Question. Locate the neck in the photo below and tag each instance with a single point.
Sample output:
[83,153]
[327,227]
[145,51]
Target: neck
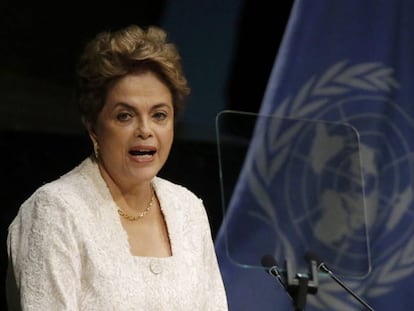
[133,196]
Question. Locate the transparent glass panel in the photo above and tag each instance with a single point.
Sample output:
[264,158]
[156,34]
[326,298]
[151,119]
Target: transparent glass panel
[290,186]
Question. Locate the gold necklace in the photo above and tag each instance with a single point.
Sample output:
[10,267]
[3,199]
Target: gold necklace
[140,214]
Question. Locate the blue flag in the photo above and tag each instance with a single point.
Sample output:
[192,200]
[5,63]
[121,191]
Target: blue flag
[350,63]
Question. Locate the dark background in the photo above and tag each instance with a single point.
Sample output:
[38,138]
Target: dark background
[40,133]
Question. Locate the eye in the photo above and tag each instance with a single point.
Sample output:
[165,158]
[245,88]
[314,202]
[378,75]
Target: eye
[123,116]
[160,115]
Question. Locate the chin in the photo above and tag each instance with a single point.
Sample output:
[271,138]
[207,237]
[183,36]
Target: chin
[144,174]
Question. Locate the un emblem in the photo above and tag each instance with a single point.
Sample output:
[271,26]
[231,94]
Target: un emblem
[380,149]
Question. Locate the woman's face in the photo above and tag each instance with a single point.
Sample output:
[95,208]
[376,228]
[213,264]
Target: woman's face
[135,129]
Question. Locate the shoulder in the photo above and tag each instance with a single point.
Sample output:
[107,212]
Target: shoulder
[82,184]
[75,180]
[54,199]
[178,198]
[169,189]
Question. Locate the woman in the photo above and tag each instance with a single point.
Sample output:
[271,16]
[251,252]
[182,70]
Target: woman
[110,234]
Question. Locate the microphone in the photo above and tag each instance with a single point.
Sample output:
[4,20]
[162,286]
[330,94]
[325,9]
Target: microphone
[309,256]
[272,267]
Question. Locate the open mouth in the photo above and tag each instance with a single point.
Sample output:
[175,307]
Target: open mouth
[141,152]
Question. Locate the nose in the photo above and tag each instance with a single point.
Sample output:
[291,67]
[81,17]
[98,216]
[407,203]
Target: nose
[143,129]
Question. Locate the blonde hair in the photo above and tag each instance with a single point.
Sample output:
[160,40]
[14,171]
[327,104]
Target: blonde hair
[113,55]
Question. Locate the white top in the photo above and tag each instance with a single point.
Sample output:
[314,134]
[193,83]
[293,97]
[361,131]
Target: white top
[69,251]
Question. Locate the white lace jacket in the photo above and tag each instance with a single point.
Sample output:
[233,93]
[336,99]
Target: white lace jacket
[68,251]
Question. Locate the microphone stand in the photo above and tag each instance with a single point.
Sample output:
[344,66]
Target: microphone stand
[299,285]
[324,268]
[310,256]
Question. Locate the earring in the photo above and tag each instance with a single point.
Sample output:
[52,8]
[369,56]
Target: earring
[96,149]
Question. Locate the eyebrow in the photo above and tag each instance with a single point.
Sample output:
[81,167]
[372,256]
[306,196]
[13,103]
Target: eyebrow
[130,107]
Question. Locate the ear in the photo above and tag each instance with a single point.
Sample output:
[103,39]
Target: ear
[91,130]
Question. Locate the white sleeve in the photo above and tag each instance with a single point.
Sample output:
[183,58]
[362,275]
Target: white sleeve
[44,259]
